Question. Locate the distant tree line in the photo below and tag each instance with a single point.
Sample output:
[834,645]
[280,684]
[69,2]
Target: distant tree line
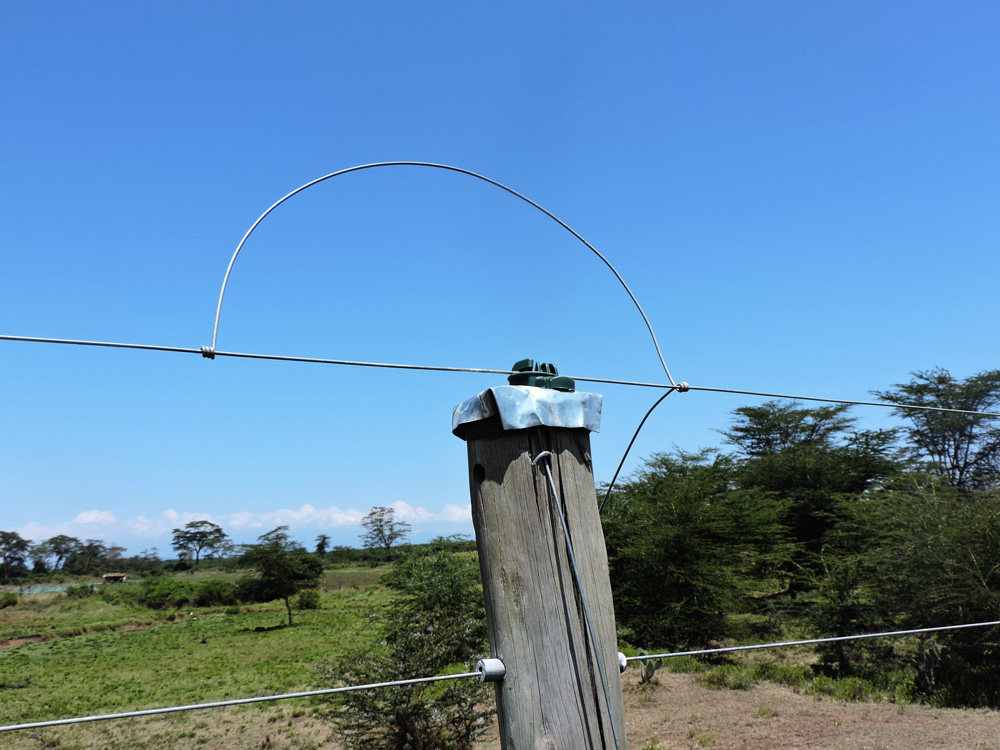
[21,557]
[194,542]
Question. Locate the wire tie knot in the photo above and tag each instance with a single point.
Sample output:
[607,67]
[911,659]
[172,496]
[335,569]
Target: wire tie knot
[683,387]
[208,352]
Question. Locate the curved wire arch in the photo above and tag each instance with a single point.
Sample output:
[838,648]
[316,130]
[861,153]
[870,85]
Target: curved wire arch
[209,351]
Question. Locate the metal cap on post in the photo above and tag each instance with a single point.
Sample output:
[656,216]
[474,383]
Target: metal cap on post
[549,611]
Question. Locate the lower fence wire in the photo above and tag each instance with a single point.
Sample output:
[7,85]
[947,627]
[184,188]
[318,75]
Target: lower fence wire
[237,702]
[811,641]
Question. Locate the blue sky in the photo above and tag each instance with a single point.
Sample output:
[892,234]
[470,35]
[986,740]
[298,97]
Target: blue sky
[804,198]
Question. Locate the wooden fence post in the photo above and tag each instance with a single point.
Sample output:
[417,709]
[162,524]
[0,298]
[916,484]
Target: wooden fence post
[554,695]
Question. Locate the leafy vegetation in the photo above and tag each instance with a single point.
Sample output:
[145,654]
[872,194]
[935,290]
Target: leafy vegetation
[816,528]
[282,568]
[437,625]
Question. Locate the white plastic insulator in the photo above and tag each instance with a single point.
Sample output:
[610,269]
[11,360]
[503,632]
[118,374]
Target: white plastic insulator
[491,670]
[622,662]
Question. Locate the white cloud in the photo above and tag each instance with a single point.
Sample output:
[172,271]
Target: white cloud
[94,516]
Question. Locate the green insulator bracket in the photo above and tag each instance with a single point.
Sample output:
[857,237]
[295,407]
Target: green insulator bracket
[540,375]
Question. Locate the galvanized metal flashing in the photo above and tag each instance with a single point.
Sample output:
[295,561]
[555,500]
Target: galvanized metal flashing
[519,407]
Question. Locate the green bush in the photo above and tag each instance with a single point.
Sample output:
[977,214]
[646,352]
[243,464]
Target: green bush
[684,665]
[79,591]
[780,674]
[214,591]
[846,689]
[121,594]
[437,624]
[308,599]
[232,610]
[165,593]
[729,677]
[8,599]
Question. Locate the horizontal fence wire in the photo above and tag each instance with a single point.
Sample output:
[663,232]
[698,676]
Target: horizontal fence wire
[211,354]
[236,702]
[810,641]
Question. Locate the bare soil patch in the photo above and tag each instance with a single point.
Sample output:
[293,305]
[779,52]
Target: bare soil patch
[15,642]
[681,713]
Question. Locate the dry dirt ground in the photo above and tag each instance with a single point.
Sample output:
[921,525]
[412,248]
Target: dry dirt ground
[679,713]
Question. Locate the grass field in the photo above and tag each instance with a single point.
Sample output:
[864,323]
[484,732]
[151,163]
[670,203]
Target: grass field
[65,657]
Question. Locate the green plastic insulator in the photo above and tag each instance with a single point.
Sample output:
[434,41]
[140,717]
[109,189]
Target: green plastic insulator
[540,375]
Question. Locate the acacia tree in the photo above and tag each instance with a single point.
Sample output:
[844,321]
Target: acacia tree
[382,529]
[281,568]
[682,544]
[962,449]
[322,545]
[812,458]
[88,553]
[62,547]
[40,555]
[923,557]
[197,537]
[13,552]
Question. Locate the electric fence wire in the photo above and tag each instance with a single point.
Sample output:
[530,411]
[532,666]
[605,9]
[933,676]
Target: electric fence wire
[579,588]
[631,442]
[680,387]
[236,702]
[431,165]
[811,641]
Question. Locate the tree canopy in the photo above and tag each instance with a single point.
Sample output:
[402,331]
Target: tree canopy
[197,537]
[963,449]
[382,530]
[281,568]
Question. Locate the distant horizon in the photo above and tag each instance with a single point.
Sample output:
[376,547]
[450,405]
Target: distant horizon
[243,528]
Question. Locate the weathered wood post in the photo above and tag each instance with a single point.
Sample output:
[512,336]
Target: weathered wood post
[562,688]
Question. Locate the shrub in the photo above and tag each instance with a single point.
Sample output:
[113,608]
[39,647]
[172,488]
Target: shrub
[214,591]
[308,599]
[165,593]
[121,594]
[435,625]
[79,591]
[232,610]
[729,676]
[8,599]
[781,674]
[846,689]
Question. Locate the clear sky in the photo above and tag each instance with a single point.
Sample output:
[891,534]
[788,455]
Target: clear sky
[805,198]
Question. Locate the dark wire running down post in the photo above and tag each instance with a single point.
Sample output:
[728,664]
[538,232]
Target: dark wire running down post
[546,458]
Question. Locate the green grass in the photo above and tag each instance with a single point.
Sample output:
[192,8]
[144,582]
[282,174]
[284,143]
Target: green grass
[101,658]
[342,578]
